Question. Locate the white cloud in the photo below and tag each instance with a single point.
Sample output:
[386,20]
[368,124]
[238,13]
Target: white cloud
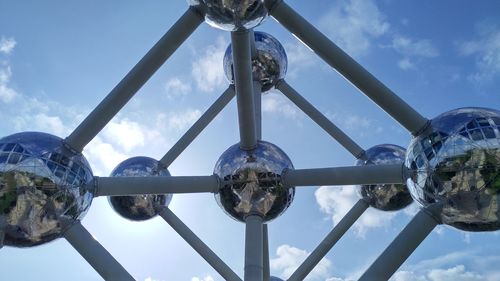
[178,121]
[352,24]
[207,70]
[206,278]
[411,47]
[125,133]
[456,273]
[175,87]
[151,279]
[277,103]
[7,45]
[299,57]
[336,201]
[406,64]
[103,156]
[7,94]
[289,259]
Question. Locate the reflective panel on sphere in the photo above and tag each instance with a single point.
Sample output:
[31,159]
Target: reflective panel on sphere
[385,197]
[140,207]
[231,15]
[269,65]
[44,188]
[456,162]
[251,181]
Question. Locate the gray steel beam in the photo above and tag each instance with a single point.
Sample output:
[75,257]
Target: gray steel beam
[254,270]
[330,240]
[243,82]
[134,80]
[198,127]
[201,248]
[403,245]
[320,119]
[2,237]
[348,67]
[266,262]
[257,88]
[119,186]
[371,174]
[95,254]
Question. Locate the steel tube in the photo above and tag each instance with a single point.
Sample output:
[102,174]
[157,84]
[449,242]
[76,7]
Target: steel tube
[254,270]
[2,236]
[371,174]
[402,247]
[198,127]
[201,248]
[330,240]
[119,186]
[134,80]
[349,68]
[266,262]
[243,81]
[257,88]
[95,254]
[320,119]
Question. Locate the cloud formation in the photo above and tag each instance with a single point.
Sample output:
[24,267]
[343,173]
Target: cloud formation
[7,45]
[207,70]
[289,259]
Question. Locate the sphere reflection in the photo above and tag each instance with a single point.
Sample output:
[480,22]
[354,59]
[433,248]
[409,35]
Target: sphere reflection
[456,162]
[251,181]
[385,197]
[269,65]
[44,188]
[231,15]
[140,207]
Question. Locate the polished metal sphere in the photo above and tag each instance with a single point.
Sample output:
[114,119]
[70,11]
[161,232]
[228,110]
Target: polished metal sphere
[251,181]
[140,207]
[385,197]
[44,188]
[456,162]
[231,15]
[269,65]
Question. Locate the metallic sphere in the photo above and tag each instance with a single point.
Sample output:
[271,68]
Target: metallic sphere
[251,182]
[270,64]
[385,197]
[44,188]
[140,207]
[456,162]
[231,15]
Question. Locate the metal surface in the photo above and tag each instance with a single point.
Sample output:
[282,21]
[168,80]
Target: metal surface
[349,68]
[254,270]
[134,80]
[456,162]
[41,184]
[380,174]
[198,127]
[385,197]
[251,182]
[95,254]
[144,206]
[320,119]
[329,241]
[258,109]
[265,259]
[198,245]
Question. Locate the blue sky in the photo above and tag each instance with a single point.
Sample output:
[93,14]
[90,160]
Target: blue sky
[58,59]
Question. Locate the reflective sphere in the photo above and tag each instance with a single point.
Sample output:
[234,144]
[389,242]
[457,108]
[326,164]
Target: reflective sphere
[140,207]
[269,66]
[456,162]
[251,182]
[385,197]
[232,15]
[44,188]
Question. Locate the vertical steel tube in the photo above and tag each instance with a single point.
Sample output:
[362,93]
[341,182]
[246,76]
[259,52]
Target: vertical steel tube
[254,270]
[320,119]
[134,80]
[198,245]
[330,240]
[243,81]
[349,68]
[2,237]
[266,262]
[198,127]
[402,247]
[95,254]
[257,88]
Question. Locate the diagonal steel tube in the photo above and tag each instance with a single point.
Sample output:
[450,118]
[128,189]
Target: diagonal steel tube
[198,127]
[201,248]
[403,245]
[243,82]
[254,237]
[119,186]
[95,254]
[320,119]
[266,262]
[330,240]
[370,174]
[134,80]
[348,67]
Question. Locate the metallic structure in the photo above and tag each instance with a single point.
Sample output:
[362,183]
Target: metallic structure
[452,165]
